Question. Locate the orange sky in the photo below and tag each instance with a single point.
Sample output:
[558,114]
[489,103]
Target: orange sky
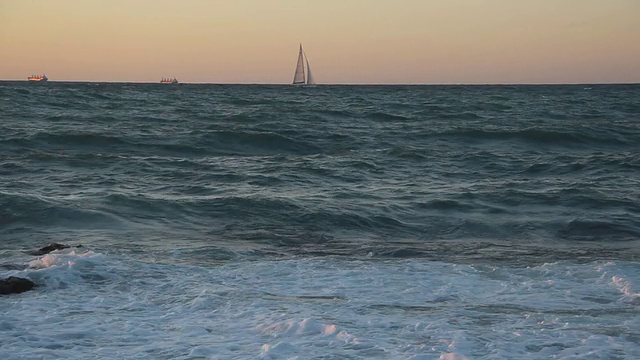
[347,41]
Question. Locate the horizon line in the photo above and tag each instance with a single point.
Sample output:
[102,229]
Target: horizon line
[331,84]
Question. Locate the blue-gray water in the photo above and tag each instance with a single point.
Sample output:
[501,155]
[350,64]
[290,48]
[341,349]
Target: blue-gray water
[438,183]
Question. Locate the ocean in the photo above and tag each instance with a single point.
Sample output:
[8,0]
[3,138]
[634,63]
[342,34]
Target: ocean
[328,222]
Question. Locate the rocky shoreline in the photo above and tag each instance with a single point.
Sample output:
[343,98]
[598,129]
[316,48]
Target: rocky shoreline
[17,285]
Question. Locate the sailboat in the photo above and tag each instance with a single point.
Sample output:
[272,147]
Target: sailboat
[303,74]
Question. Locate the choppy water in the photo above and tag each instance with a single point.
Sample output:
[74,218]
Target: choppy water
[388,222]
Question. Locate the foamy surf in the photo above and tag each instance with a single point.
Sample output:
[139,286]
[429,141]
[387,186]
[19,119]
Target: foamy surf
[57,258]
[115,306]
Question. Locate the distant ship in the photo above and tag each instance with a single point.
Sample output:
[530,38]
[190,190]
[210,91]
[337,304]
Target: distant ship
[169,81]
[300,77]
[38,78]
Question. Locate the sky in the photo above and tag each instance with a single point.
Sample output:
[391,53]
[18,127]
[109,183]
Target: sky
[346,41]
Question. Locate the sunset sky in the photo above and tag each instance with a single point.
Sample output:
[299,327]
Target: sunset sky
[347,41]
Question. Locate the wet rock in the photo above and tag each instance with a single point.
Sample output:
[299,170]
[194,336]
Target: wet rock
[15,285]
[51,247]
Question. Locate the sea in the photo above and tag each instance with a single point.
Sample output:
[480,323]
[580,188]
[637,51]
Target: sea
[330,222]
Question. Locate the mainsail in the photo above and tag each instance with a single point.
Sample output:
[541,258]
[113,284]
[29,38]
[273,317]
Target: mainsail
[299,78]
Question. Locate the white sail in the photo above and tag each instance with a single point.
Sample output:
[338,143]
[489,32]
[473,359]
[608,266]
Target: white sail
[310,79]
[299,77]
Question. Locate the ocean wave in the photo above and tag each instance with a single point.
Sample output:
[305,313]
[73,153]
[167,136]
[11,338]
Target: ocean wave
[79,139]
[263,143]
[467,115]
[409,153]
[580,136]
[32,210]
[44,140]
[385,116]
[621,229]
[331,170]
[217,142]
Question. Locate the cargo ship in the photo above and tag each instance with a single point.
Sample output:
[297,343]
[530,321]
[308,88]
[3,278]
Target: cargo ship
[38,78]
[169,81]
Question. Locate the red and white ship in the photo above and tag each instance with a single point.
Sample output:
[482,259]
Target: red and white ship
[38,78]
[169,81]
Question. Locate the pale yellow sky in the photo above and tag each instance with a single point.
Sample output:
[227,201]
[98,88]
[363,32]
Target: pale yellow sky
[347,41]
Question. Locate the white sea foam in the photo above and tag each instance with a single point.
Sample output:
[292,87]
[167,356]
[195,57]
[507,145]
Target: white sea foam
[58,258]
[625,287]
[91,305]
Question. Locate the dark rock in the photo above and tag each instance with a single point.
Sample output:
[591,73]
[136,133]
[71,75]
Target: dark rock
[51,247]
[15,285]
